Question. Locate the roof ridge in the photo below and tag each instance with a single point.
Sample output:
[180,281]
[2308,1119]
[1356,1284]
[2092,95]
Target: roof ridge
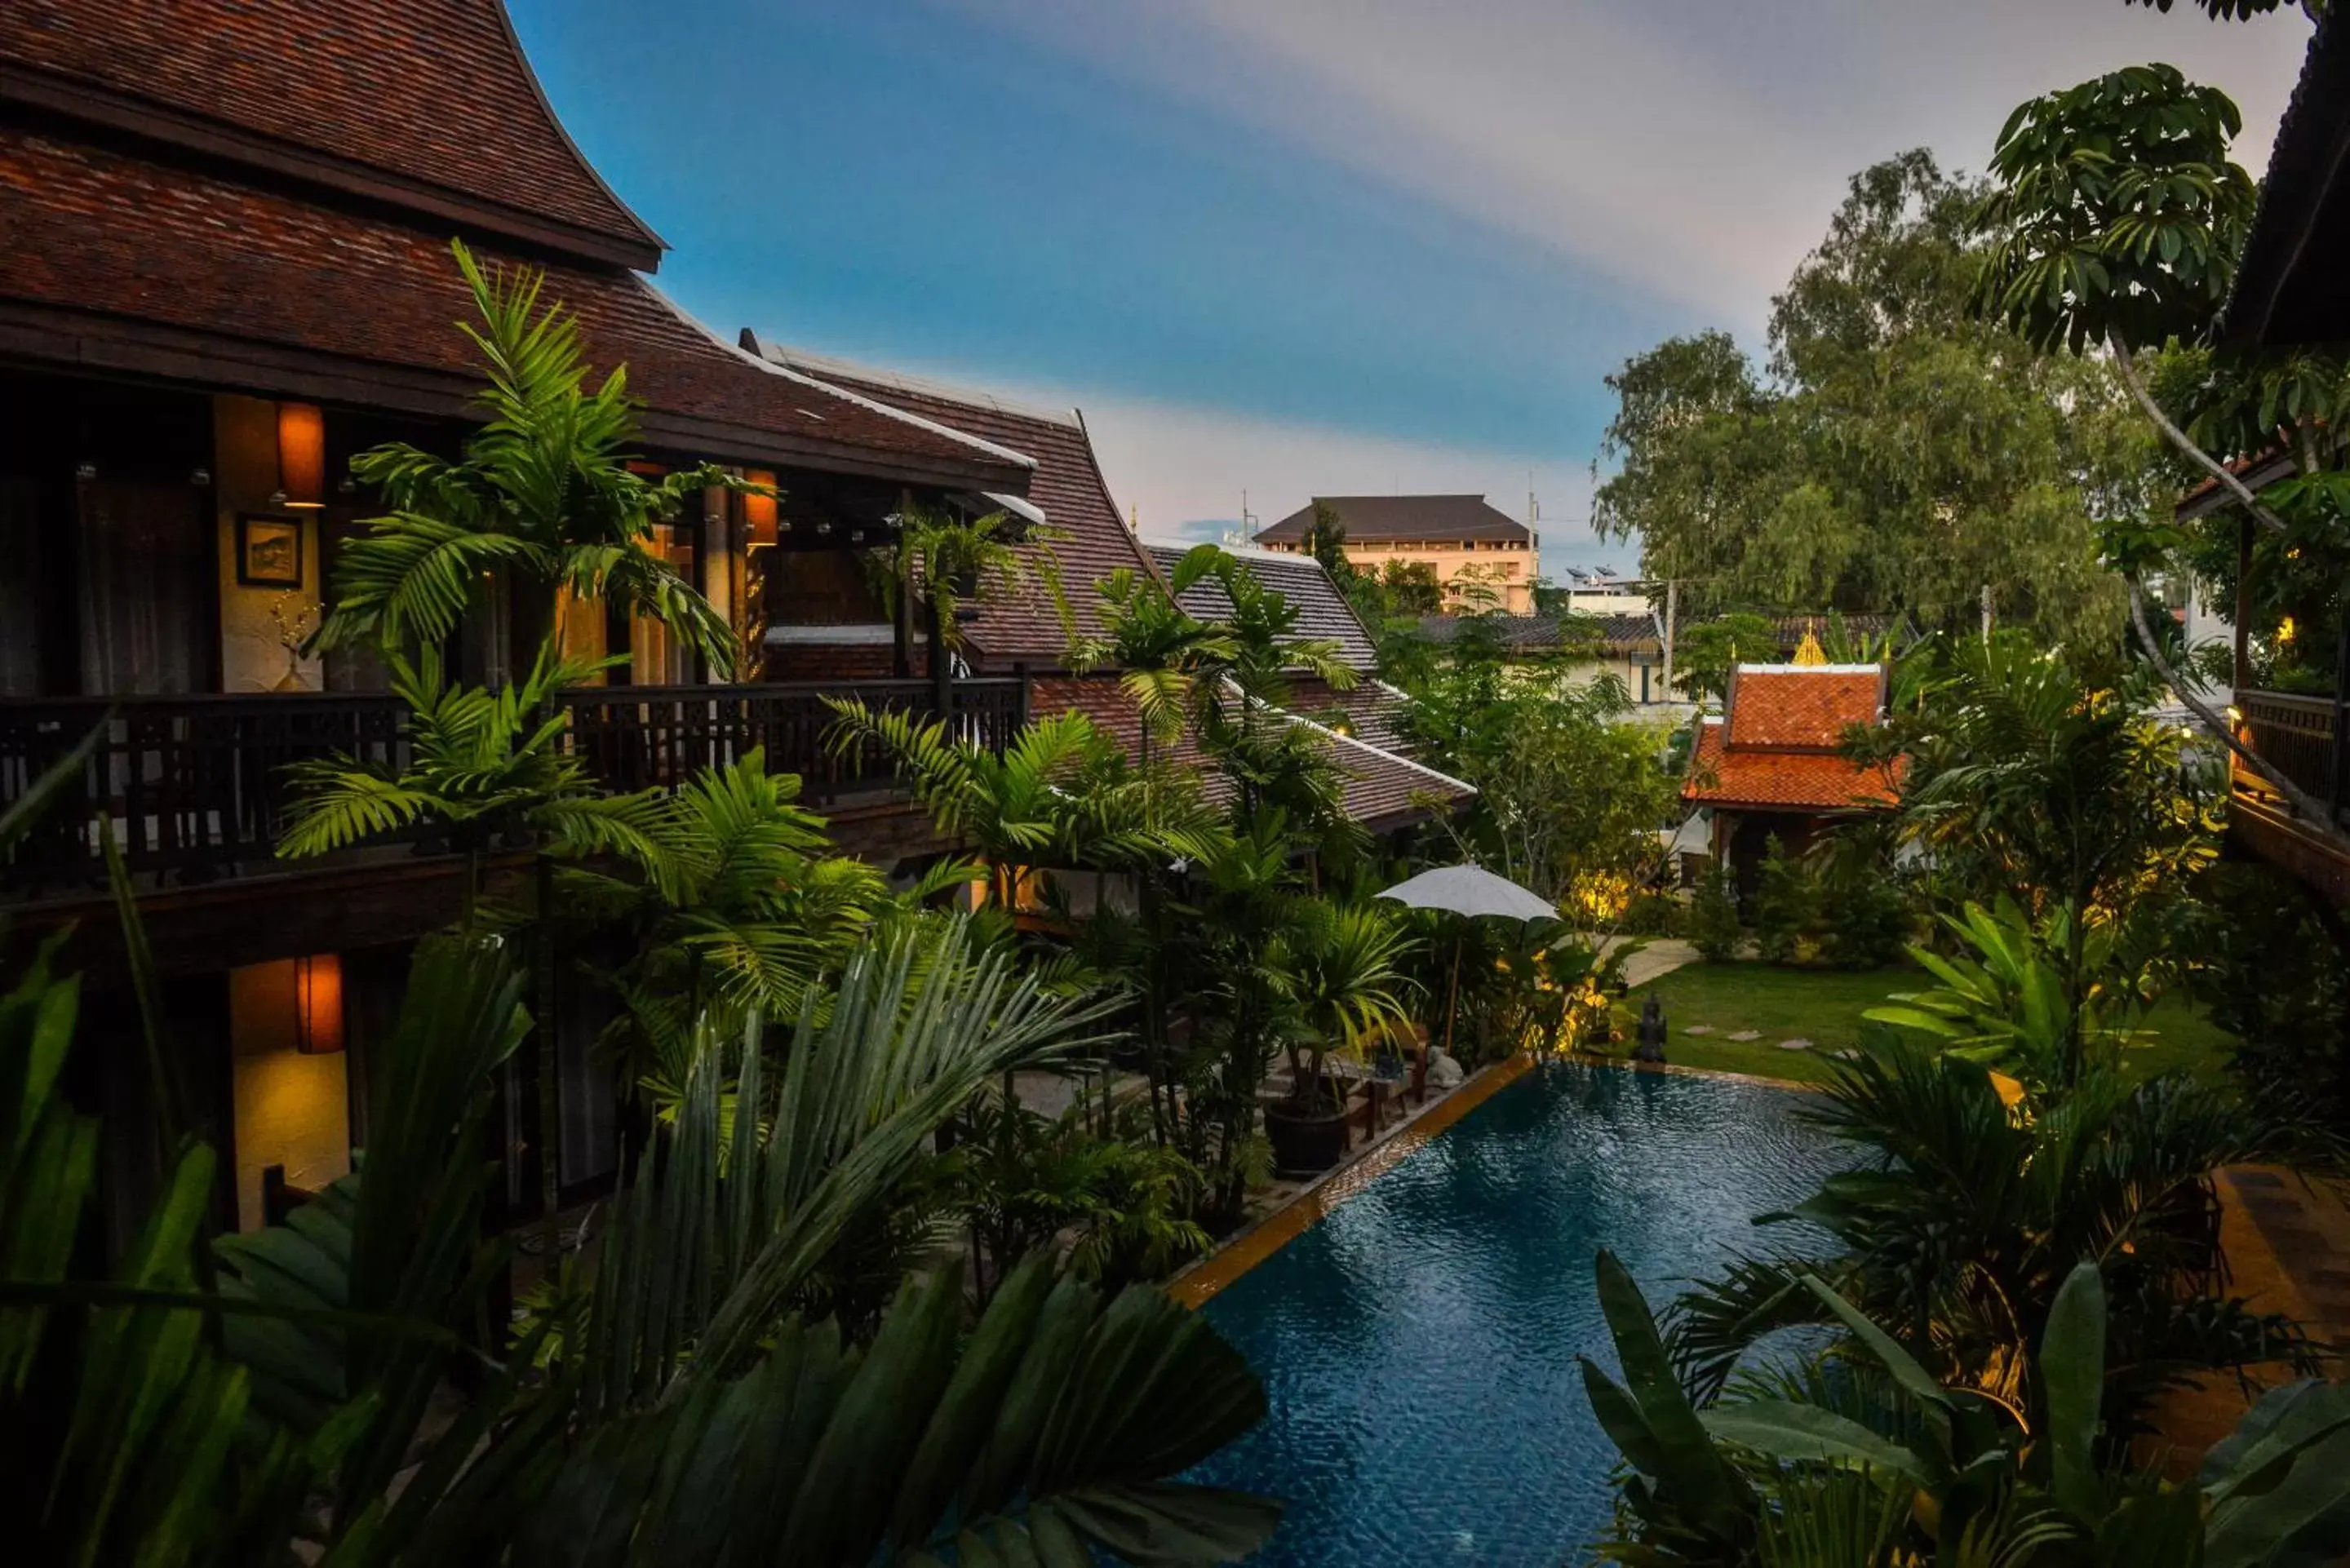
[774,367]
[826,367]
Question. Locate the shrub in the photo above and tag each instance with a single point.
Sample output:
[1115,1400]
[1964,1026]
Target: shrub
[1654,914]
[1867,923]
[1782,905]
[1713,917]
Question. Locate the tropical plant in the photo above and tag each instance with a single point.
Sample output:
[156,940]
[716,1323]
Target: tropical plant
[1870,1459]
[481,768]
[1029,1182]
[1341,963]
[1785,905]
[678,1410]
[2036,777]
[544,493]
[1713,926]
[740,908]
[2118,220]
[1962,1218]
[944,561]
[2041,1001]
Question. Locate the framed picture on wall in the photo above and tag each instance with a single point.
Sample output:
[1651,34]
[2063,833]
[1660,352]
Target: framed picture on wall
[269,551]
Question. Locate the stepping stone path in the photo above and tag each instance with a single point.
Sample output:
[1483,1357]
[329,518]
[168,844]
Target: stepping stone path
[1743,1035]
[1699,1029]
[1846,1054]
[1795,1044]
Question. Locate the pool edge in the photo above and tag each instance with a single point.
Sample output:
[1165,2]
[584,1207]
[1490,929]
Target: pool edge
[1200,1281]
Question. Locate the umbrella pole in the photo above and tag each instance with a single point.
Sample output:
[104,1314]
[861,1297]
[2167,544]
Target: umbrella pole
[1452,1009]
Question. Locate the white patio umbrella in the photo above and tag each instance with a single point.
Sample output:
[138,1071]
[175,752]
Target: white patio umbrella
[1471,891]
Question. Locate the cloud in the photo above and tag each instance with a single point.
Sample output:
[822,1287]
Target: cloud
[1692,149]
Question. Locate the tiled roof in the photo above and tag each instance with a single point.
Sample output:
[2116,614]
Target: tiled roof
[1067,485]
[1380,785]
[435,93]
[1802,781]
[2288,287]
[1323,611]
[274,282]
[1429,517]
[1373,711]
[1795,707]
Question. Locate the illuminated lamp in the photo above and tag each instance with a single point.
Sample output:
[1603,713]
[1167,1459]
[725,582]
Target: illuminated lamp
[301,456]
[319,1005]
[759,511]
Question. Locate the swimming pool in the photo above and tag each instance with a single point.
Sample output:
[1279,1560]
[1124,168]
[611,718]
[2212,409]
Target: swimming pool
[1417,1345]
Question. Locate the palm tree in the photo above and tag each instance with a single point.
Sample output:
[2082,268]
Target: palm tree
[1158,647]
[1962,1219]
[683,1414]
[1868,1459]
[943,560]
[544,491]
[1344,975]
[483,767]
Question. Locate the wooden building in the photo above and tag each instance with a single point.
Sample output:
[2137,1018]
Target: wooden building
[228,269]
[1769,767]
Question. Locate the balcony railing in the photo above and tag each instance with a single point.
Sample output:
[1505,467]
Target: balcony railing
[195,788]
[2297,736]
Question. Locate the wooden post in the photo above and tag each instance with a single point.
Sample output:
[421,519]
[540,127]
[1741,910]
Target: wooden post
[1672,609]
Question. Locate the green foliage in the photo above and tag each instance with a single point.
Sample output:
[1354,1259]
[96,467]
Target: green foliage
[1713,926]
[480,766]
[1706,652]
[1784,906]
[1868,1459]
[1863,901]
[1342,970]
[1412,587]
[1123,1202]
[1959,1221]
[2041,1001]
[1325,541]
[2034,776]
[2117,214]
[544,491]
[946,561]
[1570,793]
[1899,456]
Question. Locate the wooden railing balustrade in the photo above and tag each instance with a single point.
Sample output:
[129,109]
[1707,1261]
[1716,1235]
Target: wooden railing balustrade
[195,788]
[2301,737]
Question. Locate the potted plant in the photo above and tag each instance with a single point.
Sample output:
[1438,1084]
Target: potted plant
[1341,963]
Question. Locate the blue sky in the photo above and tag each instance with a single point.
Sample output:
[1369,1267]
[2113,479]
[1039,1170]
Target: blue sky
[1296,245]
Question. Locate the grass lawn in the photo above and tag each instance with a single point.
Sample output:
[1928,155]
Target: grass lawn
[1825,1006]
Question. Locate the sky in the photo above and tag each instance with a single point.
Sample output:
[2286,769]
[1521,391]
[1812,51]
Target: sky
[1287,247]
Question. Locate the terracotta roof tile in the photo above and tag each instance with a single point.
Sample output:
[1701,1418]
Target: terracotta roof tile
[435,91]
[1794,707]
[1809,781]
[100,232]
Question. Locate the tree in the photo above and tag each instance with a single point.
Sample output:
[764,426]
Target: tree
[1325,541]
[2118,219]
[544,491]
[1896,455]
[943,562]
[1704,654]
[1412,587]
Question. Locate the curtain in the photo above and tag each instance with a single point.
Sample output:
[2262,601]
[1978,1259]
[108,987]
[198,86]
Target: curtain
[147,589]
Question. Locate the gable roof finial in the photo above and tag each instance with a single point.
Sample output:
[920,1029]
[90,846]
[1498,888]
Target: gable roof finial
[1809,650]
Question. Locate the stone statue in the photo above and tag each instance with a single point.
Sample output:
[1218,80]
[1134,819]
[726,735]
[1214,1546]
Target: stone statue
[1651,1046]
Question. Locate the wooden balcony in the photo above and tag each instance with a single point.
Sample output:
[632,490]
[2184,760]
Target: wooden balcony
[196,791]
[2305,738]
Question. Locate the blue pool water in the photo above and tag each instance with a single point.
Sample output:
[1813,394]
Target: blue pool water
[1418,1346]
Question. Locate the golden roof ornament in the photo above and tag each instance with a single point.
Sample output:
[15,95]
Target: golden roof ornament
[1809,650]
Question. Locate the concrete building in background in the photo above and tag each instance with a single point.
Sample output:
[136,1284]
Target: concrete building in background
[1471,543]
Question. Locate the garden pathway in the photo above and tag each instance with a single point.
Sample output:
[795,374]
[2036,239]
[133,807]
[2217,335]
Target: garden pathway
[1661,956]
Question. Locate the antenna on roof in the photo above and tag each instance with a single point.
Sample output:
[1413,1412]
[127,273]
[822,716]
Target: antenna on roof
[1248,520]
